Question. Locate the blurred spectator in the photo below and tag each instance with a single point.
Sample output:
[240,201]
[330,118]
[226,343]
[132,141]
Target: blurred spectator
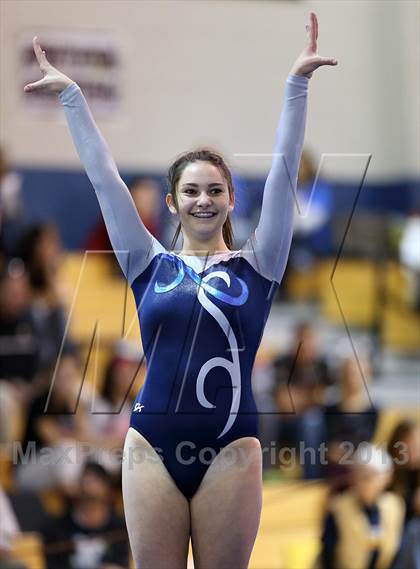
[114,405]
[312,226]
[9,530]
[409,554]
[41,251]
[300,378]
[242,214]
[117,390]
[62,431]
[32,322]
[410,256]
[146,194]
[362,529]
[404,447]
[52,427]
[19,345]
[11,207]
[352,419]
[19,349]
[90,535]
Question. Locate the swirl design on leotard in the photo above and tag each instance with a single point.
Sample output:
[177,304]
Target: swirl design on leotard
[233,367]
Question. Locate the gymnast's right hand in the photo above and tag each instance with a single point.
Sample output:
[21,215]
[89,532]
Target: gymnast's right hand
[53,80]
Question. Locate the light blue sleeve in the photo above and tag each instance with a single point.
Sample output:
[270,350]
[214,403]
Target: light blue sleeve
[134,246]
[268,247]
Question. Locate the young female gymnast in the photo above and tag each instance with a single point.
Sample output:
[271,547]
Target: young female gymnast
[202,312]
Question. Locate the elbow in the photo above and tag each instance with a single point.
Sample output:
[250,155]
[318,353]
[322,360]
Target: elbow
[100,177]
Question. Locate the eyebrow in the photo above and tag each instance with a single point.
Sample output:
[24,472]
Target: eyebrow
[213,184]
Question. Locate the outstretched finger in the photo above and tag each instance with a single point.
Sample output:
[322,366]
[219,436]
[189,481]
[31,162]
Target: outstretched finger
[39,54]
[34,86]
[314,24]
[327,61]
[313,28]
[311,41]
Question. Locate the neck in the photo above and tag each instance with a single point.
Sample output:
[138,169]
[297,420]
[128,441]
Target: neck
[367,501]
[91,515]
[193,246]
[354,401]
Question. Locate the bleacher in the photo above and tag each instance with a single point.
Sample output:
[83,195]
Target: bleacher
[360,294]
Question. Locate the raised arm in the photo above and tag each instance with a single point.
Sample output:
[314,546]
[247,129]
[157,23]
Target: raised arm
[133,244]
[269,245]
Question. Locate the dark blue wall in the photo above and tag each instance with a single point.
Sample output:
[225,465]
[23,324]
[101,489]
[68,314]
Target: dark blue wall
[67,197]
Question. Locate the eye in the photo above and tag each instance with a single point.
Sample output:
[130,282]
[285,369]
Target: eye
[217,190]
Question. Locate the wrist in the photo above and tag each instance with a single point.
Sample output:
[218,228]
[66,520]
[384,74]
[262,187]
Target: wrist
[66,83]
[295,71]
[299,80]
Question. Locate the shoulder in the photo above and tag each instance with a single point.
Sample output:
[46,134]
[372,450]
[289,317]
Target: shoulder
[342,500]
[262,259]
[138,262]
[393,500]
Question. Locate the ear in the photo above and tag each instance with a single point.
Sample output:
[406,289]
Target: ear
[231,203]
[170,203]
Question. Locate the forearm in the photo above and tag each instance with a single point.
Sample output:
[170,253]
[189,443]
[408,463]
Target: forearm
[281,182]
[126,231]
[88,140]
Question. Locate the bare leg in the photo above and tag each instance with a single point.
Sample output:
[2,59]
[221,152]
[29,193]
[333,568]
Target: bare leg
[156,512]
[225,511]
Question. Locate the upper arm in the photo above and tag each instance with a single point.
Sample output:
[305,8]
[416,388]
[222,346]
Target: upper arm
[133,245]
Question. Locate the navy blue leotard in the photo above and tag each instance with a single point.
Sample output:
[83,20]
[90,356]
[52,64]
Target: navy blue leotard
[201,318]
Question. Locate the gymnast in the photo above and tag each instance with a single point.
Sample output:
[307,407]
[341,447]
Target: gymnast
[202,312]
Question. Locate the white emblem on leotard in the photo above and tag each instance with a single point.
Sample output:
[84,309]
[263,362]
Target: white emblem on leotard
[233,367]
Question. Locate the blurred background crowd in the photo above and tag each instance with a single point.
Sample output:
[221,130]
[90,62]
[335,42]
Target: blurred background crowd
[66,399]
[336,378]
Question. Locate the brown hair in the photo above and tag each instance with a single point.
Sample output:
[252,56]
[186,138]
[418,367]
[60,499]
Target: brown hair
[401,480]
[4,166]
[174,175]
[402,430]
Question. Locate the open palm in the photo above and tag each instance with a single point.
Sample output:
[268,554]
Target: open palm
[309,60]
[53,80]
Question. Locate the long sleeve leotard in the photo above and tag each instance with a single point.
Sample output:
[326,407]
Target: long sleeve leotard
[201,318]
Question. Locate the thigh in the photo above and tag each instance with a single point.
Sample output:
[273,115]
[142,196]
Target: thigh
[225,510]
[156,512]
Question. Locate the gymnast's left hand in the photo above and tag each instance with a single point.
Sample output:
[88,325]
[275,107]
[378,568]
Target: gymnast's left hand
[309,60]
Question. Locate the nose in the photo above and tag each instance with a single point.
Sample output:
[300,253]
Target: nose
[204,199]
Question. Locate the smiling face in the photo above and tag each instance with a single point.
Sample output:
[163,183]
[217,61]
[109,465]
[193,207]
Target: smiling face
[203,202]
[369,483]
